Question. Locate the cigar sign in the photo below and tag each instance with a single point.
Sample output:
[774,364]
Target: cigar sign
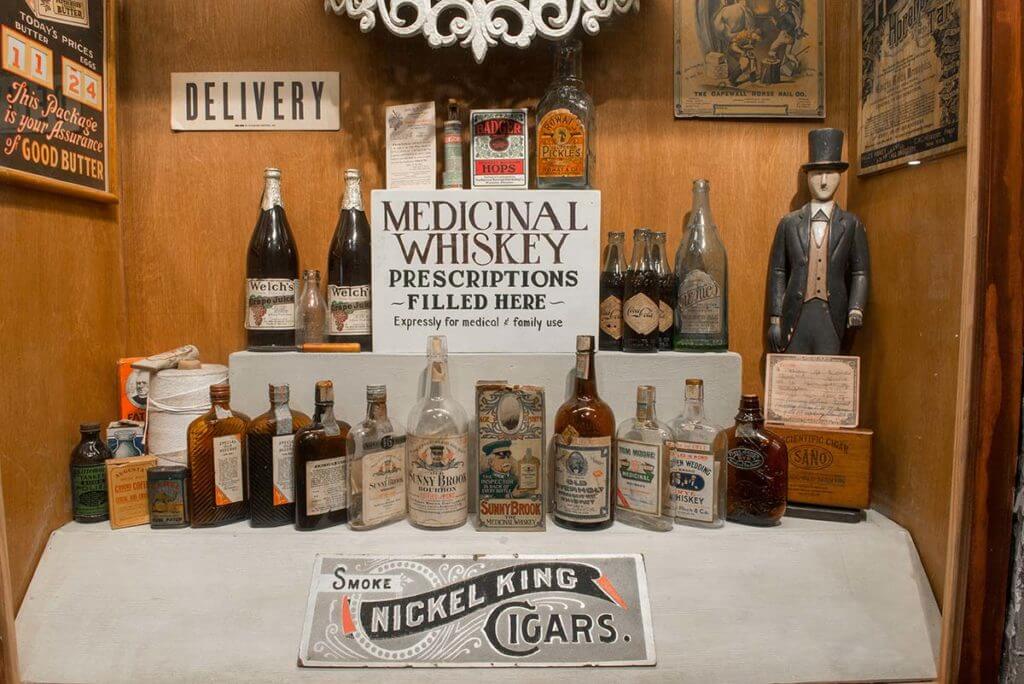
[478,611]
[495,271]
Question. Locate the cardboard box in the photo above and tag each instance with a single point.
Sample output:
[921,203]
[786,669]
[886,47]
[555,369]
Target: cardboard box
[133,389]
[828,467]
[127,490]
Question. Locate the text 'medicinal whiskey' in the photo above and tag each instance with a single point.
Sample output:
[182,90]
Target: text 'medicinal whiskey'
[584,464]
[321,466]
[218,487]
[613,275]
[376,473]
[271,443]
[758,468]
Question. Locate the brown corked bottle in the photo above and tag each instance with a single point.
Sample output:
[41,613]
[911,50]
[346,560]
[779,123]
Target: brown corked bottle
[321,466]
[758,469]
[218,487]
[270,440]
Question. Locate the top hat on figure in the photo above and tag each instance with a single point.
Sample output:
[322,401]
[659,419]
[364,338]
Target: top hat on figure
[826,150]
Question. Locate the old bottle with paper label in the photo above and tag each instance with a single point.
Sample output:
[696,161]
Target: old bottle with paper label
[613,277]
[218,486]
[702,303]
[321,466]
[89,502]
[758,469]
[270,441]
[565,124]
[641,312]
[696,461]
[641,462]
[376,474]
[668,288]
[272,274]
[348,271]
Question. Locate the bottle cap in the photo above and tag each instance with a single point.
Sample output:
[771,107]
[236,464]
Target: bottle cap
[617,235]
[641,232]
[352,174]
[645,394]
[701,184]
[279,394]
[89,427]
[694,389]
[453,110]
[750,401]
[584,343]
[659,235]
[324,392]
[376,392]
[271,172]
[189,364]
[220,392]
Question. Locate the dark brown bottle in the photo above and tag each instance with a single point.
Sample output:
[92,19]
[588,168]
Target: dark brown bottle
[89,501]
[271,442]
[348,271]
[640,309]
[758,469]
[321,466]
[613,275]
[272,273]
[218,487]
[584,465]
[667,292]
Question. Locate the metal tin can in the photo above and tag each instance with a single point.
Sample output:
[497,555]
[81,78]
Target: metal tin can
[168,497]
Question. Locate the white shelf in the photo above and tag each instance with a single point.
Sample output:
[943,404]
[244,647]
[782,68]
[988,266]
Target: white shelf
[807,601]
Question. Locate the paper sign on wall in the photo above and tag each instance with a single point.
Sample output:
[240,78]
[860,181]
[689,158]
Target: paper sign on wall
[411,138]
[270,100]
[812,390]
[496,271]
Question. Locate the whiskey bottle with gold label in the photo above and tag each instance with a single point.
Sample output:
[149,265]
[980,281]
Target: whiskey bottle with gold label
[376,475]
[270,441]
[641,312]
[613,276]
[758,469]
[565,124]
[321,466]
[218,488]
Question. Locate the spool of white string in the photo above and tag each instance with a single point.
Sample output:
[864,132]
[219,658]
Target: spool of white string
[176,398]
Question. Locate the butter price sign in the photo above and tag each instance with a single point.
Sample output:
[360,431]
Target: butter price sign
[478,611]
[495,271]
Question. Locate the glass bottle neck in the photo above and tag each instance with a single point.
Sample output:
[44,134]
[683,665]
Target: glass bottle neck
[646,413]
[641,255]
[438,384]
[377,410]
[700,215]
[353,195]
[614,262]
[586,381]
[569,66]
[323,414]
[272,194]
[693,409]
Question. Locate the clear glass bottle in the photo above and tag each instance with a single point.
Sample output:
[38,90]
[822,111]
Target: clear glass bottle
[321,466]
[376,473]
[702,303]
[667,292]
[566,122]
[218,486]
[640,310]
[437,449]
[311,311]
[89,501]
[270,442]
[348,271]
[452,178]
[641,461]
[697,467]
[758,469]
[613,276]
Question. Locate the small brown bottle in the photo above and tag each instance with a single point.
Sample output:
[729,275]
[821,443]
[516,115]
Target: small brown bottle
[321,466]
[89,476]
[218,487]
[270,440]
[758,469]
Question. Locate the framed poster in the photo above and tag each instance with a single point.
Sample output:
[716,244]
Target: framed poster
[750,58]
[57,110]
[913,102]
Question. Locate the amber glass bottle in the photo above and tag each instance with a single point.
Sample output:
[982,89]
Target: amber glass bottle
[758,469]
[218,487]
[270,440]
[321,466]
[584,466]
[89,476]
[641,310]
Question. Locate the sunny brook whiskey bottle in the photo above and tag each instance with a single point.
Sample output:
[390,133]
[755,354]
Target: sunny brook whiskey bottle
[348,271]
[217,459]
[640,311]
[321,466]
[376,473]
[529,473]
[641,461]
[758,469]
[272,274]
[565,124]
[437,449]
[667,286]
[270,441]
[613,276]
[697,468]
[584,465]
[702,305]
[89,476]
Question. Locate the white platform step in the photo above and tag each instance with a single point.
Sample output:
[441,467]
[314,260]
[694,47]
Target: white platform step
[804,602]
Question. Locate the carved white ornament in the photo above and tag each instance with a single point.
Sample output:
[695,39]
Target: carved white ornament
[480,24]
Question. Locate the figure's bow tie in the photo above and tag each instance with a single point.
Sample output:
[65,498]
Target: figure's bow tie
[820,216]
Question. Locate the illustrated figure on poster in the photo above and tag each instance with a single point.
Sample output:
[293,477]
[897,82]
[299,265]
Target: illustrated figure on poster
[733,17]
[790,25]
[819,267]
[498,481]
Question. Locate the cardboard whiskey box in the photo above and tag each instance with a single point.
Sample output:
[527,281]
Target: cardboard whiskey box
[127,490]
[510,453]
[828,467]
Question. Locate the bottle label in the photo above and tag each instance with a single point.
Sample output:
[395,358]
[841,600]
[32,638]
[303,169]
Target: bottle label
[641,314]
[270,304]
[227,470]
[700,304]
[745,459]
[561,145]
[283,460]
[692,481]
[438,480]
[640,476]
[582,477]
[89,490]
[582,365]
[529,477]
[349,309]
[326,485]
[384,482]
[665,318]
[611,317]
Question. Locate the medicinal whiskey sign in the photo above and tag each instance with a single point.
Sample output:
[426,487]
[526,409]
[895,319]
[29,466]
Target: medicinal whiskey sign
[478,611]
[495,271]
[53,115]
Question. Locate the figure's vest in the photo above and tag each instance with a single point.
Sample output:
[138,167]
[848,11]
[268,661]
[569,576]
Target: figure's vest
[817,265]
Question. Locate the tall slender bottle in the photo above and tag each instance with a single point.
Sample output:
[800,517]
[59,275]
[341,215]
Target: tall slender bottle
[89,501]
[376,475]
[272,274]
[452,179]
[437,449]
[758,469]
[584,464]
[321,466]
[640,310]
[667,292]
[641,460]
[270,440]
[218,486]
[613,276]
[702,306]
[566,122]
[697,469]
[348,271]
